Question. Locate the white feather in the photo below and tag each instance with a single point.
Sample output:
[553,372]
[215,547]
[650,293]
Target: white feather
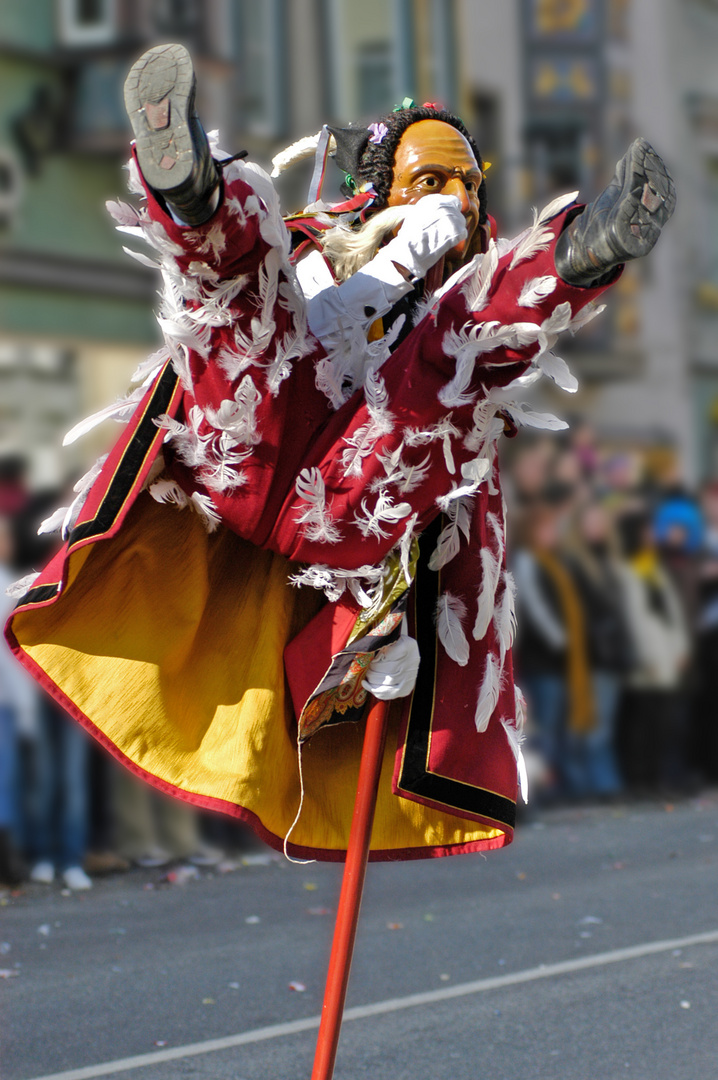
[535,240]
[140,257]
[557,370]
[119,410]
[449,541]
[385,512]
[54,522]
[524,416]
[536,290]
[169,491]
[319,525]
[488,694]
[505,617]
[476,289]
[122,212]
[23,585]
[586,315]
[450,611]
[556,207]
[520,703]
[206,511]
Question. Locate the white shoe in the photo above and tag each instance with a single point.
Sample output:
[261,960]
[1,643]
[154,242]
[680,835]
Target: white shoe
[76,879]
[154,857]
[43,872]
[206,855]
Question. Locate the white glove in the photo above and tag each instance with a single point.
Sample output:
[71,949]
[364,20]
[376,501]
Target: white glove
[432,226]
[392,673]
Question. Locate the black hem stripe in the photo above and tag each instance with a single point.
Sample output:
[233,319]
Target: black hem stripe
[415,778]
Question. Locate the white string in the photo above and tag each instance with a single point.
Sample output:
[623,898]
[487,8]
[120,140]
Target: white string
[299,862]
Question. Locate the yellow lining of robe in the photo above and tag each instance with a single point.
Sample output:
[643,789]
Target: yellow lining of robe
[171,641]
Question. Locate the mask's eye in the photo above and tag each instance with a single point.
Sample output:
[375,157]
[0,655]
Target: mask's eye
[471,187]
[431,182]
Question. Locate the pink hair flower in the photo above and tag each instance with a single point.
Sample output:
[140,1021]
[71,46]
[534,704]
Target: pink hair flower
[379,132]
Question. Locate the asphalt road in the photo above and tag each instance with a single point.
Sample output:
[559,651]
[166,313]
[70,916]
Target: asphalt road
[571,955]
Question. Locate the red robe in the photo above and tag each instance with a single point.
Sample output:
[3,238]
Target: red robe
[165,639]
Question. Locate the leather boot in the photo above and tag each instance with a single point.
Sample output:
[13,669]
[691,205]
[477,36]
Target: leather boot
[172,147]
[623,223]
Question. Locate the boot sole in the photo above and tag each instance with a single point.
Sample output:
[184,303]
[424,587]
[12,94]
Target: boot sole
[647,200]
[159,98]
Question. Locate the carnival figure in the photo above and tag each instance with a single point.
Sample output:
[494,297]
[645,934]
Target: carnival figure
[305,508]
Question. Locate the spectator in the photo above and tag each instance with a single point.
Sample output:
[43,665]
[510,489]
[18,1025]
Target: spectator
[17,715]
[593,557]
[652,738]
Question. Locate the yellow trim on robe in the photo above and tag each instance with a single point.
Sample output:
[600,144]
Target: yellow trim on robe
[171,641]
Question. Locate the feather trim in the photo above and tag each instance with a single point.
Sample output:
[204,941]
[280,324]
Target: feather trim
[319,524]
[205,510]
[449,541]
[505,617]
[476,289]
[556,207]
[586,315]
[385,512]
[365,582]
[443,431]
[535,240]
[169,491]
[514,736]
[488,694]
[536,290]
[120,410]
[557,370]
[18,588]
[405,547]
[520,704]
[379,424]
[450,611]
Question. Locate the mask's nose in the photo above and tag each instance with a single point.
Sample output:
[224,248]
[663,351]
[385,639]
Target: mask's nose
[456,186]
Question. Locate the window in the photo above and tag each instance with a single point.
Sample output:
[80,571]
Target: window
[375,78]
[263,66]
[87,22]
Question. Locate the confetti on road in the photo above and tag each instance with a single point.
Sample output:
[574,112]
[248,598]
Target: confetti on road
[685,1004]
[444,978]
[5,948]
[319,911]
[44,930]
[395,926]
[257,860]
[310,886]
[298,987]
[160,1042]
[252,919]
[8,973]
[233,986]
[182,875]
[590,920]
[208,1001]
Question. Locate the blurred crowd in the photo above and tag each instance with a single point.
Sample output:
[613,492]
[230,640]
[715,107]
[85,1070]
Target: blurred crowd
[68,812]
[616,569]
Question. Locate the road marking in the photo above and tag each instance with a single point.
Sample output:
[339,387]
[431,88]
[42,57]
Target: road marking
[379,1008]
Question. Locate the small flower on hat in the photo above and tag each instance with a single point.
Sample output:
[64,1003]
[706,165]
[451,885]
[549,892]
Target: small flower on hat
[379,133]
[433,105]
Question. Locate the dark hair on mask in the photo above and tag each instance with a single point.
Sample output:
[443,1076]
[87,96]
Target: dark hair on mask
[377,162]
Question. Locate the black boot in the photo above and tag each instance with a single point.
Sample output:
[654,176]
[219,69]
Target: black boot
[623,223]
[172,147]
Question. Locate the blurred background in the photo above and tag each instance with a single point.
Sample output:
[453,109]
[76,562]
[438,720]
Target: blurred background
[614,525]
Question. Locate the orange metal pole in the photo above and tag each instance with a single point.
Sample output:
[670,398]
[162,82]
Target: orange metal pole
[351,892]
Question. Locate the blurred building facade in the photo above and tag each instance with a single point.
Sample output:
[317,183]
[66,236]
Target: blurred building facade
[75,313]
[554,89]
[557,90]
